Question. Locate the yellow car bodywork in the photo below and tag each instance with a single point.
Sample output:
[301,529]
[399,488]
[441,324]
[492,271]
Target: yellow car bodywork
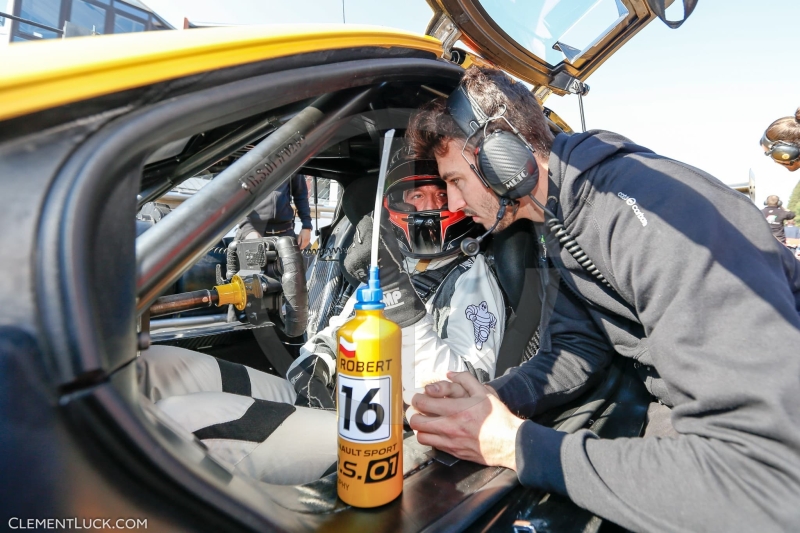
[47,74]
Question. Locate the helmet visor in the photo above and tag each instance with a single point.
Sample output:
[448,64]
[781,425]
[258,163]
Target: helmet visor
[419,214]
[427,193]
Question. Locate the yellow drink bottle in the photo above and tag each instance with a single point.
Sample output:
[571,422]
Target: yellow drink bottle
[369,403]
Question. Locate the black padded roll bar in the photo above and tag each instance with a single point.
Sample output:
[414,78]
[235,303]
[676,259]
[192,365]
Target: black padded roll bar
[168,249]
[227,144]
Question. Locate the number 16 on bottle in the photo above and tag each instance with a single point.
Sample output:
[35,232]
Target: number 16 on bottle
[365,413]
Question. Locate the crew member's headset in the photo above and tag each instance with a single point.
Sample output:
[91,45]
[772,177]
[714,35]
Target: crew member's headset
[779,204]
[781,151]
[505,163]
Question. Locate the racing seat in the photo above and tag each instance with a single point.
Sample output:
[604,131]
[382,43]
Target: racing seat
[516,265]
[329,286]
[325,280]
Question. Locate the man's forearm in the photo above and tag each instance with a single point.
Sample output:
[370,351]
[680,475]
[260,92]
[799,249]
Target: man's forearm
[572,355]
[687,483]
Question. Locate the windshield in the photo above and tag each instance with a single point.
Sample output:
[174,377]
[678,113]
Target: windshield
[555,30]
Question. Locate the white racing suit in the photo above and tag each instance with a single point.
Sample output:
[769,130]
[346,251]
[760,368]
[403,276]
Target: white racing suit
[248,418]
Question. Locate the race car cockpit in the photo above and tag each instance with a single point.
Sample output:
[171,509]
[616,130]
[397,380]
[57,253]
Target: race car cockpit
[77,146]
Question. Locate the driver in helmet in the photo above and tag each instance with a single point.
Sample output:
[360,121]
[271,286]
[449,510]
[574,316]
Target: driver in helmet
[450,309]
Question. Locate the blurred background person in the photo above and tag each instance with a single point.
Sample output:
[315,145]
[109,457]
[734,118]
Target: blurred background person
[792,236]
[776,215]
[781,141]
[275,215]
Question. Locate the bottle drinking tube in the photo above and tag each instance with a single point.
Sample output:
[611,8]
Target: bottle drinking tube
[369,390]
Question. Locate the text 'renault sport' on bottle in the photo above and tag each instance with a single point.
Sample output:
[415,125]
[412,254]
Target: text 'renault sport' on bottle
[369,403]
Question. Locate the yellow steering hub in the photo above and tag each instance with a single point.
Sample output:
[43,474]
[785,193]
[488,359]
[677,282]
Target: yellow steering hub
[232,293]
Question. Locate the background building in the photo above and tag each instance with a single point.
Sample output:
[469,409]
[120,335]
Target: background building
[77,17]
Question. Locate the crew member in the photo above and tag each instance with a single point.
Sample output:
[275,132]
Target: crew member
[781,141]
[664,267]
[776,215]
[274,216]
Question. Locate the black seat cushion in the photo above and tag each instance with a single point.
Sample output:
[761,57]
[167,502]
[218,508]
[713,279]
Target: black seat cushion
[329,283]
[516,254]
[358,198]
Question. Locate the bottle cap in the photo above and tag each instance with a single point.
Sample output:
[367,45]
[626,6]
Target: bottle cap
[370,298]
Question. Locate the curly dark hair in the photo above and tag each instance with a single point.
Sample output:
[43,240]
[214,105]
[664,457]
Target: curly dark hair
[785,129]
[432,127]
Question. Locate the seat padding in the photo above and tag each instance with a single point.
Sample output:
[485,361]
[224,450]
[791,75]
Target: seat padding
[516,263]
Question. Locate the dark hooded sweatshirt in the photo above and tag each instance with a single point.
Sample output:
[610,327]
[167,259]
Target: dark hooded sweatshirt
[708,303]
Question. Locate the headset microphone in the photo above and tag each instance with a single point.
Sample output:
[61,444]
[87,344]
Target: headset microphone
[470,246]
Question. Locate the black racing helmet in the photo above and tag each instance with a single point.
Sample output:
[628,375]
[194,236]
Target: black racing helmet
[416,200]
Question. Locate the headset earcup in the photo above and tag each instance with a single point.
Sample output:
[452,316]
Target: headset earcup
[507,165]
[779,204]
[784,152]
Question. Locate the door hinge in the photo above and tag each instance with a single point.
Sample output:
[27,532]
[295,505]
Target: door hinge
[443,28]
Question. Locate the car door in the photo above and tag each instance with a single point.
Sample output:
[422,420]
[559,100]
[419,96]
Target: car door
[80,119]
[546,43]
